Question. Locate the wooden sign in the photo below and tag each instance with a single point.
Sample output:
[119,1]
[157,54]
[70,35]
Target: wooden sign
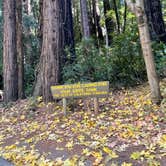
[95,89]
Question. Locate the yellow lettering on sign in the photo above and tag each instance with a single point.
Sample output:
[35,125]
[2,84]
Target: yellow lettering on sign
[81,90]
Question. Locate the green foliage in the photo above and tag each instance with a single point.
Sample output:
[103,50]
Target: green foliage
[121,64]
[88,65]
[159,50]
[31,45]
[126,58]
[30,48]
[29,77]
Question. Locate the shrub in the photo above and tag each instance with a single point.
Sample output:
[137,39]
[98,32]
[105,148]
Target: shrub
[121,64]
[159,50]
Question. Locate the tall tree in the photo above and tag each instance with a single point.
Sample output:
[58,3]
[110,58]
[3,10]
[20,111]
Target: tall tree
[155,19]
[27,6]
[52,46]
[96,17]
[67,39]
[124,17]
[20,57]
[10,68]
[40,30]
[86,33]
[28,47]
[68,33]
[117,15]
[138,9]
[76,20]
[108,22]
[84,18]
[37,91]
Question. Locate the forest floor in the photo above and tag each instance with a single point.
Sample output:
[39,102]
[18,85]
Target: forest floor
[128,130]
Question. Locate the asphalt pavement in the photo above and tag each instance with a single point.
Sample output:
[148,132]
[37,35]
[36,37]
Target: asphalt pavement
[4,162]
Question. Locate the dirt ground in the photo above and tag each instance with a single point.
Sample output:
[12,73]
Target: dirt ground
[128,130]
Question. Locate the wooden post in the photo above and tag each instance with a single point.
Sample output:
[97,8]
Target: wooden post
[87,104]
[96,105]
[64,106]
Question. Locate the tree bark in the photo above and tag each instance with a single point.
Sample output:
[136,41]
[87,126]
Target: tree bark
[155,20]
[124,17]
[84,18]
[37,91]
[108,22]
[20,56]
[96,17]
[117,15]
[68,31]
[138,9]
[27,6]
[76,20]
[40,31]
[67,40]
[52,47]
[10,73]
[86,35]
[28,33]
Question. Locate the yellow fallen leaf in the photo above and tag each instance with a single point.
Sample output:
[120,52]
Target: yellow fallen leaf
[126,164]
[81,138]
[11,147]
[22,117]
[30,140]
[135,155]
[39,99]
[69,145]
[96,154]
[69,162]
[86,152]
[111,153]
[162,141]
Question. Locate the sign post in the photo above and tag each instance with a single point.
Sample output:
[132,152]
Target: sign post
[96,105]
[64,106]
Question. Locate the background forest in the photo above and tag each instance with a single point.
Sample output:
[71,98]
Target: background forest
[111,52]
[44,43]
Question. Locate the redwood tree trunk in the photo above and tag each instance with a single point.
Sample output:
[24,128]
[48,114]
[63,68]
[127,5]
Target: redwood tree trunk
[67,40]
[10,74]
[28,33]
[86,34]
[66,9]
[124,17]
[20,57]
[155,20]
[108,22]
[96,17]
[27,6]
[52,46]
[40,31]
[117,15]
[84,18]
[37,91]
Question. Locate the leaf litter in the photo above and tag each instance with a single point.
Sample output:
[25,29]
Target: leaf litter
[128,131]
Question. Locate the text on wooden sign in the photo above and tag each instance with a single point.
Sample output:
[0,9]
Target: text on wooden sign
[95,89]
